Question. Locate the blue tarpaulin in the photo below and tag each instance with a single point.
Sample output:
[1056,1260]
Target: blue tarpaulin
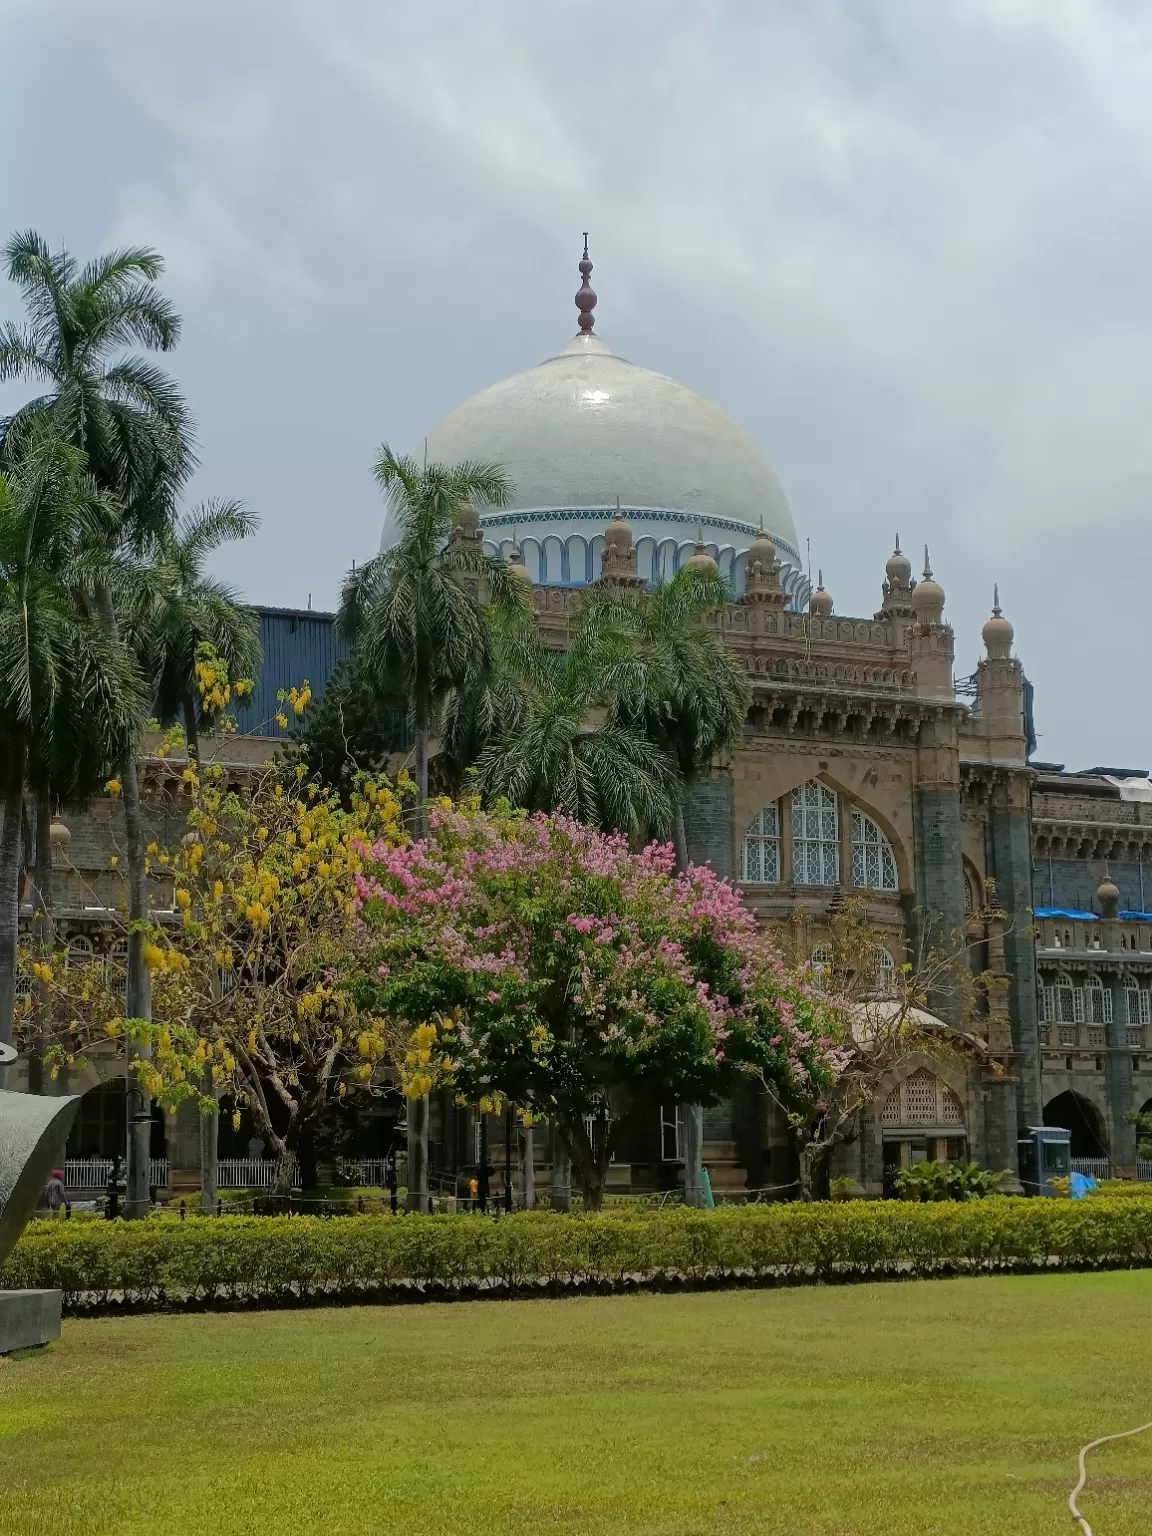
[1080,1185]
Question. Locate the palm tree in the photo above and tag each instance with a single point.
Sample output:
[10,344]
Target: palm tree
[69,691]
[133,426]
[182,608]
[414,612]
[555,738]
[680,688]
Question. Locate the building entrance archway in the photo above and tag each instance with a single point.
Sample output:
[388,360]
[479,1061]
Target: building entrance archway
[1080,1116]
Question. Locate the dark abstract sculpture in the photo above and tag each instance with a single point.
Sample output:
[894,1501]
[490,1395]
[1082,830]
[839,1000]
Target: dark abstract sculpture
[33,1132]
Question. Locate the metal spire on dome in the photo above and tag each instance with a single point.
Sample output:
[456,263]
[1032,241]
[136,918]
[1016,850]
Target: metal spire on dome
[586,297]
[996,600]
[927,565]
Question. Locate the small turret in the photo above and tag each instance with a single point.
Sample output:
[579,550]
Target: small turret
[820,603]
[997,632]
[928,597]
[618,562]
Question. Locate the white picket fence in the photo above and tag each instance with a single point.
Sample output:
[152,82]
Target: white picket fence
[250,1173]
[1092,1167]
[94,1172]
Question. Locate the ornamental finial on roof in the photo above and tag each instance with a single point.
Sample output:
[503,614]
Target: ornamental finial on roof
[586,298]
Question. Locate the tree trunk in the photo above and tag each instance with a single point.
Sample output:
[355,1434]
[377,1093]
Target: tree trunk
[592,1178]
[10,881]
[528,1169]
[139,1001]
[693,1154]
[561,1195]
[191,730]
[44,926]
[421,750]
[416,1198]
[209,1149]
[283,1182]
[680,839]
[306,1157]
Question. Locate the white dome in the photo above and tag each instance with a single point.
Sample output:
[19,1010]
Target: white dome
[586,428]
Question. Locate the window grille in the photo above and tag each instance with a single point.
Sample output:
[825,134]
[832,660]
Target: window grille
[815,836]
[1097,1002]
[760,855]
[873,864]
[885,974]
[79,953]
[116,968]
[1138,1003]
[922,1099]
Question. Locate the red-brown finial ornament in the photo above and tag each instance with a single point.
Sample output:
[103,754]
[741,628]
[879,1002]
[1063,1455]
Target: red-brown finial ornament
[586,298]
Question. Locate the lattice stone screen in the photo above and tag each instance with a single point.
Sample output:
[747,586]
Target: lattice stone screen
[922,1099]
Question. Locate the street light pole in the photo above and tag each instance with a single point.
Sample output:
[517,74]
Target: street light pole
[508,1160]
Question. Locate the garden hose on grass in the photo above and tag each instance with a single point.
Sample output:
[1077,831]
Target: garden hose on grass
[1124,1434]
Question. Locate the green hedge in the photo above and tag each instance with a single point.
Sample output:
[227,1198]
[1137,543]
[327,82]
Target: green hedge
[240,1260]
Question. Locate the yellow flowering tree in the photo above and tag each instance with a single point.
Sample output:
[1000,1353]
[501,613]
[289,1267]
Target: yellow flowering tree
[266,889]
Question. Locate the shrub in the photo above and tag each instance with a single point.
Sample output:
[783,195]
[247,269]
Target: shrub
[284,1260]
[945,1181]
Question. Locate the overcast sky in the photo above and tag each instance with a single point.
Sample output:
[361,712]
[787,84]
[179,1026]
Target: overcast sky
[904,243]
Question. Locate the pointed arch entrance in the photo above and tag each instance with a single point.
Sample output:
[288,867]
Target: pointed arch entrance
[1080,1116]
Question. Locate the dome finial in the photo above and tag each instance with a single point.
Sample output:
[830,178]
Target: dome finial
[996,599]
[897,543]
[586,298]
[927,565]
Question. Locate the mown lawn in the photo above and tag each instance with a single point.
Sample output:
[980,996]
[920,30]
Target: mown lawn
[905,1409]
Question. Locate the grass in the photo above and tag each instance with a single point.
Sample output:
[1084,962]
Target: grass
[928,1407]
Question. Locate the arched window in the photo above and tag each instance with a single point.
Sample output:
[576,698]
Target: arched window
[922,1100]
[885,973]
[815,836]
[79,952]
[117,967]
[760,854]
[873,865]
[822,958]
[1097,1002]
[1138,1002]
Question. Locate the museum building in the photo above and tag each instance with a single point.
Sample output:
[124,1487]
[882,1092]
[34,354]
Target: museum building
[867,770]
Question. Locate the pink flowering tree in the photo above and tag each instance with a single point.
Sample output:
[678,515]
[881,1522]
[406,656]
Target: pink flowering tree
[534,960]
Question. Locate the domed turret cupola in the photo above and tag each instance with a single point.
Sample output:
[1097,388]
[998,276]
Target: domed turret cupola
[928,597]
[618,562]
[998,632]
[896,593]
[466,528]
[517,568]
[1108,895]
[761,549]
[701,560]
[820,603]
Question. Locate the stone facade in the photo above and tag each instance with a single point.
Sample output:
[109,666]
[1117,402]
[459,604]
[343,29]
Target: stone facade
[861,770]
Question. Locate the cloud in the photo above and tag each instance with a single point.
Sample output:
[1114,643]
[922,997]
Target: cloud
[905,245]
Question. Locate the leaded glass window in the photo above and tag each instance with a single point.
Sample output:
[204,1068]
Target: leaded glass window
[815,836]
[873,864]
[760,854]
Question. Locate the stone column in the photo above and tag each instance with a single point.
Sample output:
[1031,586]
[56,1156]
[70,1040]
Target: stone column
[1011,843]
[693,1154]
[528,1168]
[708,825]
[1118,1082]
[417,1196]
[561,1193]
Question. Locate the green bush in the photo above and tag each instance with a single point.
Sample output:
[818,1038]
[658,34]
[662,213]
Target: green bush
[281,1260]
[945,1181]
